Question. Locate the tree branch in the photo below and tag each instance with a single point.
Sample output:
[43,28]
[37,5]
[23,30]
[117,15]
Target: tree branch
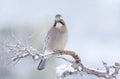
[75,67]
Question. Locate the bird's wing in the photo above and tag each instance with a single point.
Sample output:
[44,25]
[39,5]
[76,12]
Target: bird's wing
[46,40]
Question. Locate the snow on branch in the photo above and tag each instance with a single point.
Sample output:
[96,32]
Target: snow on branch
[22,51]
[75,67]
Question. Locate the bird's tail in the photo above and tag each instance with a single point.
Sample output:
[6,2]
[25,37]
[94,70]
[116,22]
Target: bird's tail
[42,64]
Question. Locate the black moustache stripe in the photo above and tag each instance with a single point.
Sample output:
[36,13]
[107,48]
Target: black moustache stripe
[55,24]
[62,23]
[58,22]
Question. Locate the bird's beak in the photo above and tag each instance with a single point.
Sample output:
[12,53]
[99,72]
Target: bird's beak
[59,19]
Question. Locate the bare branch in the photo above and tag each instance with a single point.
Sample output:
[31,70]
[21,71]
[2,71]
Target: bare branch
[75,67]
[22,51]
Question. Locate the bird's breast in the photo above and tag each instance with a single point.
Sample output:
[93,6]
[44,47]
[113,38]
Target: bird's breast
[57,39]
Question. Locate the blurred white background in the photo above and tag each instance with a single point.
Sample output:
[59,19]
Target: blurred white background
[93,25]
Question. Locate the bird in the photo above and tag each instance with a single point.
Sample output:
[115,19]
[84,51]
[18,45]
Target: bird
[56,39]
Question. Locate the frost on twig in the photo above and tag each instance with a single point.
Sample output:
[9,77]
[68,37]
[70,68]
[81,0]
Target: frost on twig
[75,67]
[22,51]
[65,70]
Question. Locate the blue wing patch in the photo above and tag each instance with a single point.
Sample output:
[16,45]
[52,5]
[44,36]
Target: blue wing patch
[46,40]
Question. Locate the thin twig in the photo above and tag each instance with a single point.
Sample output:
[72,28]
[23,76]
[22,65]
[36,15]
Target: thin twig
[75,66]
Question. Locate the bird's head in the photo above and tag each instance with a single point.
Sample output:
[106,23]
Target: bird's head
[58,18]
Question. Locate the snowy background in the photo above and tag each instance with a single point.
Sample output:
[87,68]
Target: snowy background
[93,25]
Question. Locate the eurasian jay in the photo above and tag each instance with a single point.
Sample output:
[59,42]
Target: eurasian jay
[56,39]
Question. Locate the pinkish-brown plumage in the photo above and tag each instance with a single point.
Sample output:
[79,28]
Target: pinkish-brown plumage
[56,38]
